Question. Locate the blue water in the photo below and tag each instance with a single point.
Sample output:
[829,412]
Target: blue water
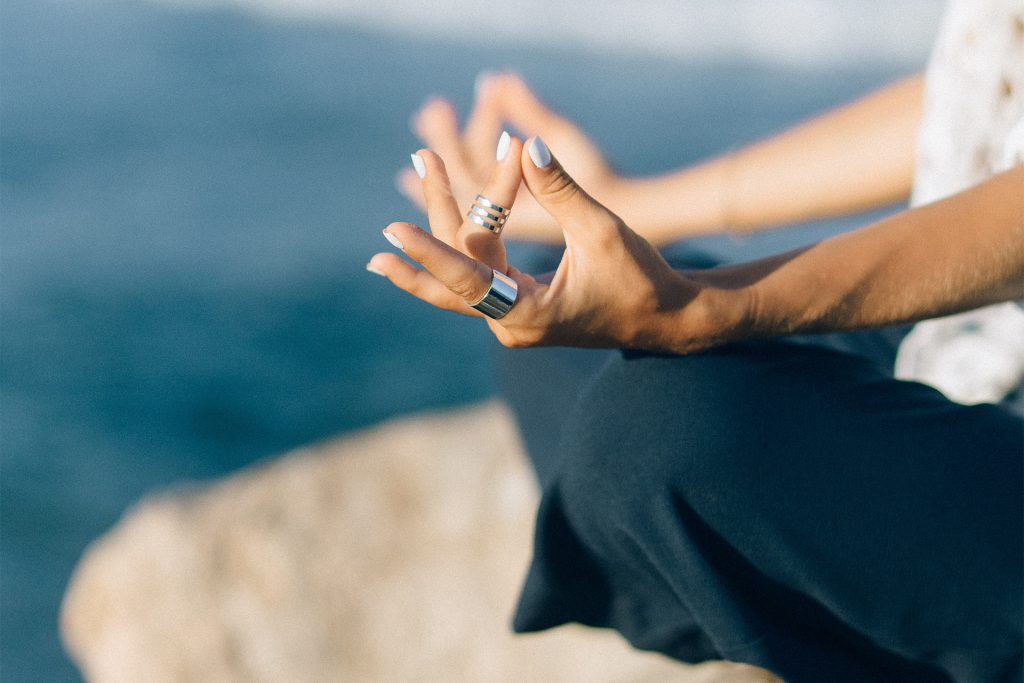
[188,200]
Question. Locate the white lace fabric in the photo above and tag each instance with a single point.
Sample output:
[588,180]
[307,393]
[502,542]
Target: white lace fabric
[973,127]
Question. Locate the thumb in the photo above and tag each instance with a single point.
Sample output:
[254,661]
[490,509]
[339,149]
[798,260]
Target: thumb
[580,216]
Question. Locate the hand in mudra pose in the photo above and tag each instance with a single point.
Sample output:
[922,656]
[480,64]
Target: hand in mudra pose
[611,289]
[505,99]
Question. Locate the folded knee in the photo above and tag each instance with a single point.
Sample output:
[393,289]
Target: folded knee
[649,422]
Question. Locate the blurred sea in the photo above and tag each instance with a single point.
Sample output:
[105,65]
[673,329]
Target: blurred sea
[189,196]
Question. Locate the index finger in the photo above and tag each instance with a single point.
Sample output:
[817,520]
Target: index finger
[464,276]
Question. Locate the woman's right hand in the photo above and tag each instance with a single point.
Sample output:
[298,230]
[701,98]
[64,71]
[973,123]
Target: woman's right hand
[504,98]
[612,289]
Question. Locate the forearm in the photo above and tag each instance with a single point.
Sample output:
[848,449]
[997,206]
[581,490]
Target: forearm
[852,159]
[953,255]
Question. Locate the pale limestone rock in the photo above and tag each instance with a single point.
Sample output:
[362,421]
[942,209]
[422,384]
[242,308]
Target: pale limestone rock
[391,555]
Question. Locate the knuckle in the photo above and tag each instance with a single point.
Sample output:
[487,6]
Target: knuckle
[521,337]
[512,340]
[467,290]
[505,339]
[471,289]
[606,233]
[561,189]
[521,341]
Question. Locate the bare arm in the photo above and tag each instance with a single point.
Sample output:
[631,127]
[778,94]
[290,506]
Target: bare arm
[613,289]
[953,255]
[851,159]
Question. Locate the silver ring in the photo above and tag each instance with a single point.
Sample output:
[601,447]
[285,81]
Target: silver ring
[486,213]
[499,297]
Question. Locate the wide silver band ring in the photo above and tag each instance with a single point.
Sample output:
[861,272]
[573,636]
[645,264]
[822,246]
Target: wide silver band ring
[486,213]
[499,297]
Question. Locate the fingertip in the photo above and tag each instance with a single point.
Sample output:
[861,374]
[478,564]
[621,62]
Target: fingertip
[538,153]
[408,183]
[484,80]
[435,109]
[396,226]
[436,106]
[510,164]
[382,263]
[434,168]
[402,232]
[509,77]
[429,156]
[418,165]
[508,149]
[384,260]
[507,174]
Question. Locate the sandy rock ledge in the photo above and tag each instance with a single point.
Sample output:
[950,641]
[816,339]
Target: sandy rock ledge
[394,554]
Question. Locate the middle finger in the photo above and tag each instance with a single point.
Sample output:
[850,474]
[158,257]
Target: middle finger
[477,239]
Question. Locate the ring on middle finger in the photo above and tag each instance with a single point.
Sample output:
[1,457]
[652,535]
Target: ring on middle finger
[486,213]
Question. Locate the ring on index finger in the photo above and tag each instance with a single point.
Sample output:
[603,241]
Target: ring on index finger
[486,213]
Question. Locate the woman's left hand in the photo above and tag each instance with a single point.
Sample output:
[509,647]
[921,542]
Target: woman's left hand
[505,99]
[611,288]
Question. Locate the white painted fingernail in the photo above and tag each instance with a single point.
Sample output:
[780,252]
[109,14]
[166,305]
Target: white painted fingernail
[539,153]
[395,242]
[417,163]
[375,271]
[503,144]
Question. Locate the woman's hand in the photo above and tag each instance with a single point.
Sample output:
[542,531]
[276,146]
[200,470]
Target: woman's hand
[611,289]
[503,98]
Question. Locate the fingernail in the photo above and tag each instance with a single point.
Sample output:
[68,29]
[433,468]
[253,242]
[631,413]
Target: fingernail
[539,153]
[503,144]
[395,242]
[417,163]
[481,80]
[374,270]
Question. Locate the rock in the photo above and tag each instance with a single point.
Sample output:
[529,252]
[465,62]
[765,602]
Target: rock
[394,554]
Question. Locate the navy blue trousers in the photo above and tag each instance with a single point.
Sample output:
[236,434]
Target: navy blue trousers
[786,504]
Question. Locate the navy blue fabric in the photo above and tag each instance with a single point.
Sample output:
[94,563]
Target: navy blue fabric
[785,503]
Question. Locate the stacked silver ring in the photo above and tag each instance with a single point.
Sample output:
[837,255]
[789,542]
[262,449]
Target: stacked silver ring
[499,297]
[488,214]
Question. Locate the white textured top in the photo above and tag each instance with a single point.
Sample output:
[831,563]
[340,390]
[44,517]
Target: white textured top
[973,127]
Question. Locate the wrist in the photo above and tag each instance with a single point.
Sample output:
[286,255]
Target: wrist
[728,314]
[708,316]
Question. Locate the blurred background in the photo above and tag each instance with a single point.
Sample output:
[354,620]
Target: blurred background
[190,190]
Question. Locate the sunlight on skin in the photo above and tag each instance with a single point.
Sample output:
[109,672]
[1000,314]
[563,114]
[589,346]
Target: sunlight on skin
[855,158]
